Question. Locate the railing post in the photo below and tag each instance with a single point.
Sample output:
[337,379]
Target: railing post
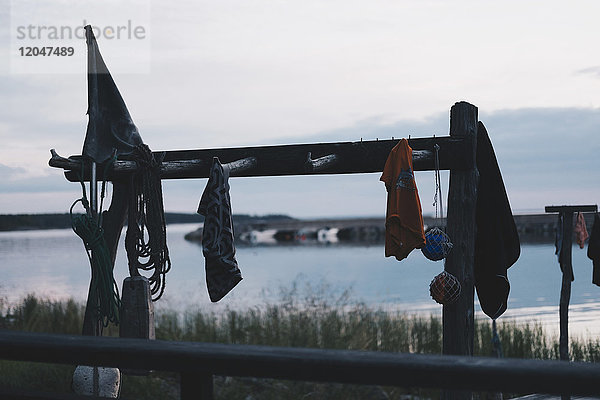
[566,266]
[196,386]
[458,320]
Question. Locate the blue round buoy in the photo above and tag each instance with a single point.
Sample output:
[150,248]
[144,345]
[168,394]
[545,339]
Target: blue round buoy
[437,244]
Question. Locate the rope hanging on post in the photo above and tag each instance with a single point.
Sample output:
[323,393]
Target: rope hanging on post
[496,344]
[146,238]
[437,243]
[102,285]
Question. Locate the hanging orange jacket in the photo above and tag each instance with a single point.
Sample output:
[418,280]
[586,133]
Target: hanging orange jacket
[404,219]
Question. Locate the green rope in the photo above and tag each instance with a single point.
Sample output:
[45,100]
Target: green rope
[102,286]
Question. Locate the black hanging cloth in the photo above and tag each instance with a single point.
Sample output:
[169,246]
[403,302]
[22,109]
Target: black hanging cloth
[497,245]
[222,272]
[110,128]
[594,250]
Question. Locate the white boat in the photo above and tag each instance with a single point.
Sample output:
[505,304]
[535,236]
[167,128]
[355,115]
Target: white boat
[259,237]
[327,235]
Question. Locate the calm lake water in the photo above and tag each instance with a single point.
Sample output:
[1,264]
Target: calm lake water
[53,264]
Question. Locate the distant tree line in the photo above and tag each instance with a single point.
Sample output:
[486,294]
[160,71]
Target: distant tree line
[15,222]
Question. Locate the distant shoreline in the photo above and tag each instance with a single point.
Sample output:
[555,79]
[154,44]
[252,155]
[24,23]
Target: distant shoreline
[532,228]
[27,222]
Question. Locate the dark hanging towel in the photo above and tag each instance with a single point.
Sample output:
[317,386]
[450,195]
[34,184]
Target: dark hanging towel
[594,250]
[497,244]
[222,272]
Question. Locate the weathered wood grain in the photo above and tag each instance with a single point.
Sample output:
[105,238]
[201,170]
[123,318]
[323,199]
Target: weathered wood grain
[301,364]
[462,198]
[350,158]
[458,318]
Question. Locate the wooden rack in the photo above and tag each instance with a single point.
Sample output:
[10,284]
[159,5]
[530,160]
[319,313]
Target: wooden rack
[456,153]
[297,159]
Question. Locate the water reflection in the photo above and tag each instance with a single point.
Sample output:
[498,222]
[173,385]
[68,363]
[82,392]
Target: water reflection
[53,263]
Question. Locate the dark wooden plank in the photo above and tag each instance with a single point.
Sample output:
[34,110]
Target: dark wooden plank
[350,157]
[344,366]
[572,209]
[552,397]
[18,394]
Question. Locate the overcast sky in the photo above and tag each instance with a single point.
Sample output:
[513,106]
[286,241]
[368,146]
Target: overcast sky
[240,73]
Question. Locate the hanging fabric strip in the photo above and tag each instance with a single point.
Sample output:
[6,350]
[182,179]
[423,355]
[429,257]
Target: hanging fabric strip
[558,238]
[110,128]
[593,251]
[222,272]
[581,233]
[497,245]
[404,219]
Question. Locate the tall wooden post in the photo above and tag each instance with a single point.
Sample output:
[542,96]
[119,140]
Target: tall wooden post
[566,267]
[458,320]
[565,256]
[567,277]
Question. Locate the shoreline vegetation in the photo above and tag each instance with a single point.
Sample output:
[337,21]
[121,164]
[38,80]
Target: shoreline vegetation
[301,318]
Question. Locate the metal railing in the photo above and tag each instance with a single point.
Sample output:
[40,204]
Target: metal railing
[198,362]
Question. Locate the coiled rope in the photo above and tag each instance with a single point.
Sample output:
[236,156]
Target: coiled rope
[102,285]
[146,238]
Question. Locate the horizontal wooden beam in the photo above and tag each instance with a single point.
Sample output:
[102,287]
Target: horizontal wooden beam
[344,366]
[571,209]
[297,159]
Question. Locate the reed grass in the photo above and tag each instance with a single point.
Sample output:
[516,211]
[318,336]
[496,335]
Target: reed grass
[314,321]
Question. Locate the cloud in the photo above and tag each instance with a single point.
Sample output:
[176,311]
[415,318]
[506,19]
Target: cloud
[594,71]
[10,173]
[547,155]
[553,147]
[18,180]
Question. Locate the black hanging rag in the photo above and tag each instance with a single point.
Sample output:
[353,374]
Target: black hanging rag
[593,251]
[497,245]
[566,266]
[222,272]
[110,128]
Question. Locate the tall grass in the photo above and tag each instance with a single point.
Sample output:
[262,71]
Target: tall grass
[310,320]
